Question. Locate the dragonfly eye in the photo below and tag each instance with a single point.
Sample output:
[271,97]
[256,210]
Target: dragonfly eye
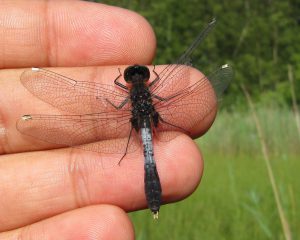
[136,73]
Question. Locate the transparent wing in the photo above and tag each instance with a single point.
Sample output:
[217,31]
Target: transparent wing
[69,95]
[175,77]
[93,132]
[193,103]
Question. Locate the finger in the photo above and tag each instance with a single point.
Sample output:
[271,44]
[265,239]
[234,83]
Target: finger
[95,222]
[14,96]
[52,182]
[77,33]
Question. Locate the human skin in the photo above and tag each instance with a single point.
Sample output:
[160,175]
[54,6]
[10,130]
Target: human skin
[51,193]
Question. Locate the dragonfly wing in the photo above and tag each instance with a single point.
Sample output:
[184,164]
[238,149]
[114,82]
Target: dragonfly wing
[194,102]
[93,132]
[69,95]
[175,77]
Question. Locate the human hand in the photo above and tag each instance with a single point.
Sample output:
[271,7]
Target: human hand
[61,193]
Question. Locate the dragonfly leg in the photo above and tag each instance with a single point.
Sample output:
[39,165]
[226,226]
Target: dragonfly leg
[156,79]
[162,99]
[170,124]
[121,105]
[159,98]
[118,83]
[155,119]
[126,146]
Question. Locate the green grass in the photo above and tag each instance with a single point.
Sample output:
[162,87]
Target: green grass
[235,199]
[235,133]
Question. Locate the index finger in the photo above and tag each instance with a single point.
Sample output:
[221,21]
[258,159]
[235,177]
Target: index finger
[72,33]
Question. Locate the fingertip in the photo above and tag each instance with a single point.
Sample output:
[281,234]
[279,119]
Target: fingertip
[182,171]
[138,35]
[94,222]
[115,223]
[100,34]
[60,33]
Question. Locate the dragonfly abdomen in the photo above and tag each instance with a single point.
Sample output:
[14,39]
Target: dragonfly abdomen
[152,183]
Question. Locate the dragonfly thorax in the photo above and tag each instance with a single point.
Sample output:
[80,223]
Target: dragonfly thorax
[141,101]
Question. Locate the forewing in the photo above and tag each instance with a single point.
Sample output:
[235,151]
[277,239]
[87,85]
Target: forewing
[69,95]
[175,77]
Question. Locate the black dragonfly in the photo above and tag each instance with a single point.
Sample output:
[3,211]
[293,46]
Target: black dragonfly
[136,113]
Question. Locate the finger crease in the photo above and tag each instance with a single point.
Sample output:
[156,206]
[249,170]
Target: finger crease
[50,34]
[24,233]
[79,179]
[4,146]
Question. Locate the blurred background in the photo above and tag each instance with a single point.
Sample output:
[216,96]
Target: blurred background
[250,188]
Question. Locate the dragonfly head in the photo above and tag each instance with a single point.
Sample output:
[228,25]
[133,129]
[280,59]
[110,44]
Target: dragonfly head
[136,73]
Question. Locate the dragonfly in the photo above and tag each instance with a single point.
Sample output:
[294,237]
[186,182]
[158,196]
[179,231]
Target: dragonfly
[137,113]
